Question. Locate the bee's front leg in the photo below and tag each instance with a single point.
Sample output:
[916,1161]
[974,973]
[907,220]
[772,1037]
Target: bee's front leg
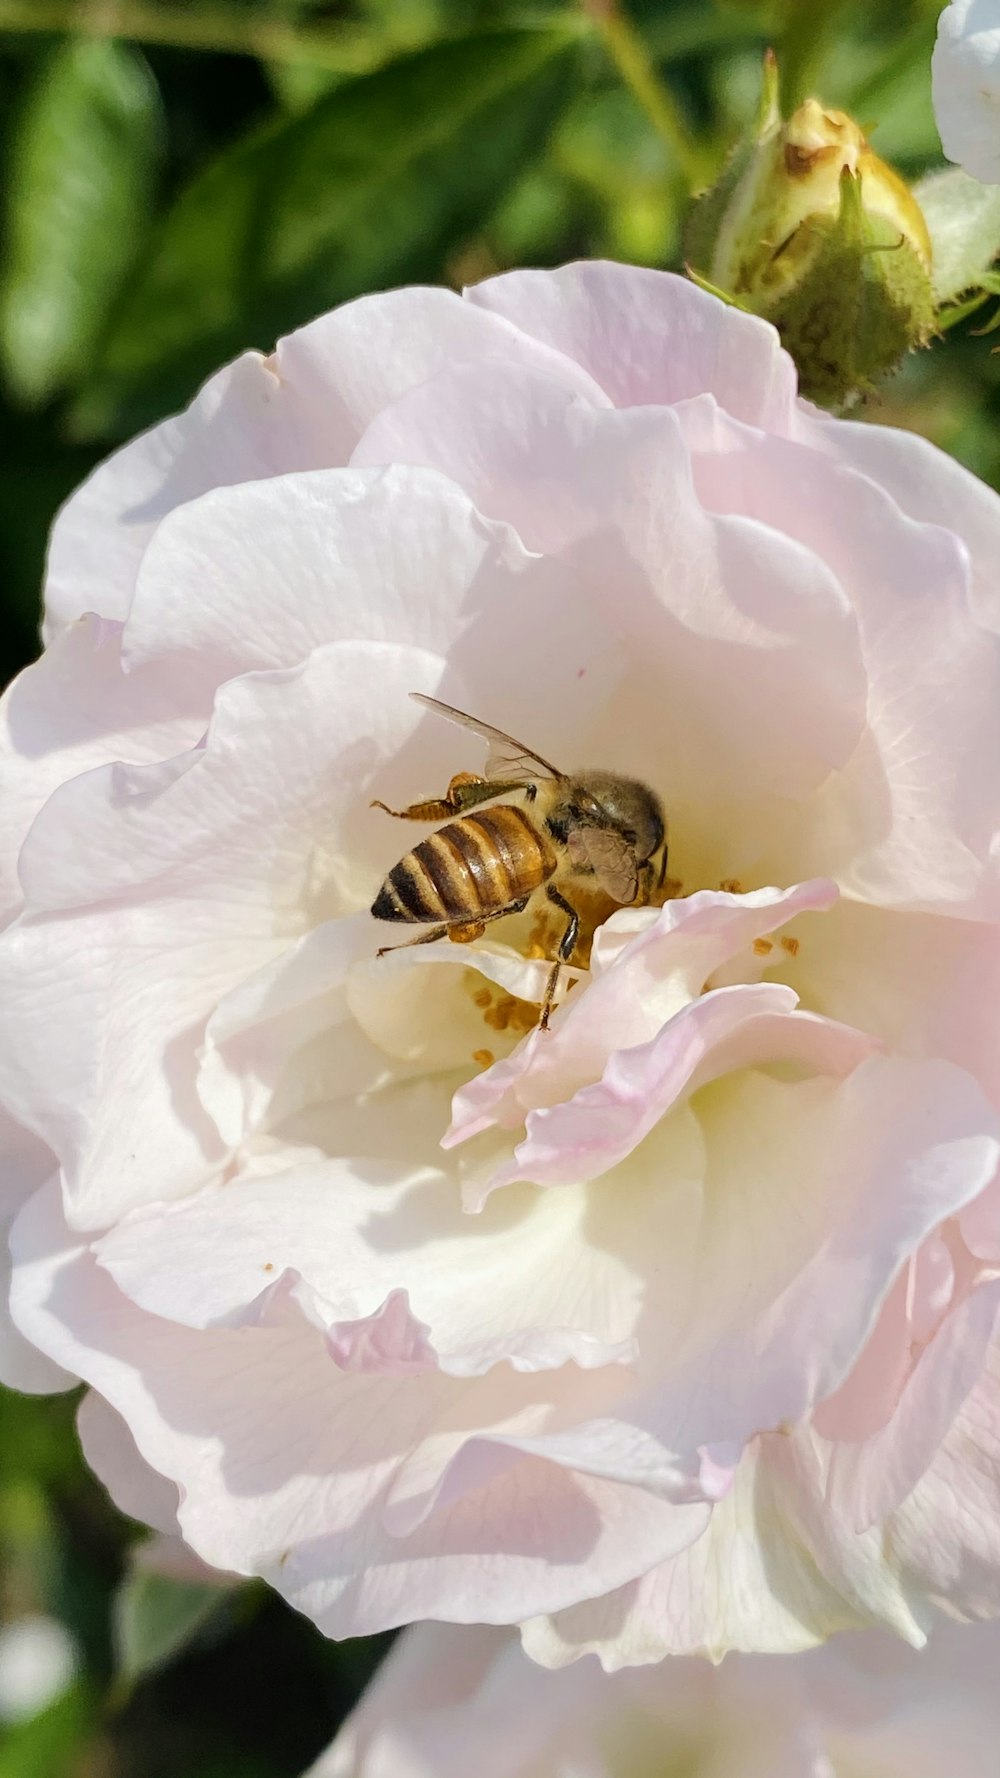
[567,945]
[647,872]
[464,792]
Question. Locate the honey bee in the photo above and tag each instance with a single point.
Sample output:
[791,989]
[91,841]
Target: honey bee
[592,828]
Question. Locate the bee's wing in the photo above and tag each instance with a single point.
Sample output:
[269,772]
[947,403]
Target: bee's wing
[506,758]
[612,860]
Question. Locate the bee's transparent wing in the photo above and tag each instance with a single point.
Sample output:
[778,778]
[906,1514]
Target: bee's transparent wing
[506,758]
[611,858]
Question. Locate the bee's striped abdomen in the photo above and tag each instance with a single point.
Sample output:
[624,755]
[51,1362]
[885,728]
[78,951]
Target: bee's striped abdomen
[474,866]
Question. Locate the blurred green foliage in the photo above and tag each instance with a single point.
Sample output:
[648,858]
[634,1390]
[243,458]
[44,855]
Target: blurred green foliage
[202,181]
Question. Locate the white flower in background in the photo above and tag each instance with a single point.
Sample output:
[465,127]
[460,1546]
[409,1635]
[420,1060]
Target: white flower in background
[448,1702]
[966,81]
[671,1328]
[38,1662]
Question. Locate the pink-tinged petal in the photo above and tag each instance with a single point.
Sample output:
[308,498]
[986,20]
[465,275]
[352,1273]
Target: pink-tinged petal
[286,565]
[728,1029]
[910,1715]
[181,867]
[868,1396]
[449,1701]
[25,1164]
[780,1570]
[931,1287]
[869,1479]
[390,1341]
[717,1470]
[261,1032]
[303,408]
[939,1548]
[232,430]
[649,336]
[427,1673]
[443,1472]
[645,967]
[535,1290]
[928,984]
[22,1366]
[446,1702]
[944,1540]
[71,711]
[397,556]
[312,1475]
[347,366]
[858,1173]
[526,447]
[980,1224]
[926,484]
[939,1275]
[912,821]
[751,1582]
[136,1489]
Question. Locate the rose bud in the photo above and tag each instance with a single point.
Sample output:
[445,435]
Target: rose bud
[810,229]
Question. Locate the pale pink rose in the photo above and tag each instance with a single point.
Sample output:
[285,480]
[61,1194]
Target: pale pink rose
[671,1328]
[448,1702]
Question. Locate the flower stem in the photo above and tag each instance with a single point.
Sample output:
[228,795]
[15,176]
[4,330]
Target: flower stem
[628,52]
[803,49]
[224,30]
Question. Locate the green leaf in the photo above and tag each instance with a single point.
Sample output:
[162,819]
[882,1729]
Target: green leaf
[963,219]
[372,186]
[82,164]
[156,1616]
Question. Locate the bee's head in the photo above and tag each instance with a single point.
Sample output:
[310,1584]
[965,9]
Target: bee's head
[625,805]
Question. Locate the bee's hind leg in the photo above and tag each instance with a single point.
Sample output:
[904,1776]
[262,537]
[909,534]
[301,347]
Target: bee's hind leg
[422,938]
[461,931]
[567,945]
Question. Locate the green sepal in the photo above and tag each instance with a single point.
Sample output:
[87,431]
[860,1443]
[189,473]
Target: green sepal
[861,303]
[704,220]
[726,296]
